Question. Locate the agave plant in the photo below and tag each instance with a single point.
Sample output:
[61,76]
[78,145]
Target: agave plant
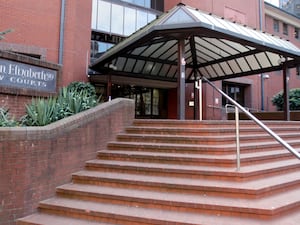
[5,119]
[77,97]
[40,112]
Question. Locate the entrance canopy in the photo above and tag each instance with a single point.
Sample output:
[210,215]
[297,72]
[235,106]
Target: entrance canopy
[212,47]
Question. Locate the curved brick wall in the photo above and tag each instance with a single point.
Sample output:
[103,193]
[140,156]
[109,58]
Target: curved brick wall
[35,160]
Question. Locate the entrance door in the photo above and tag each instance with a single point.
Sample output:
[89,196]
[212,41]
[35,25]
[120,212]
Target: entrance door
[235,91]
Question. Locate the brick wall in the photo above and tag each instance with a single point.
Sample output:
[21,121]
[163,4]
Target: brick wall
[35,160]
[36,30]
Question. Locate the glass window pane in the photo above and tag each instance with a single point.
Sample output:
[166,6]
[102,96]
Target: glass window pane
[142,19]
[130,21]
[94,14]
[139,2]
[148,3]
[104,12]
[118,21]
[151,17]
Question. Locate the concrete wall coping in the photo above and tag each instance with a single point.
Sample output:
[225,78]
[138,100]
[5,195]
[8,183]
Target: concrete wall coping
[64,125]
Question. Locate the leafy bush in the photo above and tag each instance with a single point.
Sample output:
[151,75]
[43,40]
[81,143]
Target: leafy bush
[76,97]
[294,99]
[77,87]
[5,119]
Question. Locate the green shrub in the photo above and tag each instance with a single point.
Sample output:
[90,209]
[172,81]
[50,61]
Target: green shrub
[294,99]
[40,112]
[5,119]
[76,97]
[77,87]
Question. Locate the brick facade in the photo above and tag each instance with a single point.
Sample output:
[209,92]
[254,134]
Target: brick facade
[36,32]
[35,160]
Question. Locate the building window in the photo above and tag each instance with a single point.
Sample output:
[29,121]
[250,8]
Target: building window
[98,48]
[296,33]
[276,25]
[143,3]
[150,4]
[285,29]
[118,19]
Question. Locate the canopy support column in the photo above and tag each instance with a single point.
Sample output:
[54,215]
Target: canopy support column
[181,81]
[286,101]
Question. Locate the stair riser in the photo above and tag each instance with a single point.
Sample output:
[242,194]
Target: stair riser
[193,161]
[105,217]
[209,124]
[207,132]
[208,140]
[189,189]
[213,150]
[213,174]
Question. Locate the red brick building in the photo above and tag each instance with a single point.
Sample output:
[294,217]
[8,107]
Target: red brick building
[58,32]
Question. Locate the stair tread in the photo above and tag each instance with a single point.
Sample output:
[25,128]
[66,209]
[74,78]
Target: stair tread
[194,156]
[247,169]
[146,214]
[205,137]
[258,185]
[265,205]
[47,219]
[157,145]
[211,129]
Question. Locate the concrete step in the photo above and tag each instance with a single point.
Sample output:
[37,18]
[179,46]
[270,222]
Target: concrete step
[133,215]
[183,172]
[52,219]
[206,131]
[198,148]
[212,123]
[259,187]
[228,160]
[203,139]
[209,172]
[198,203]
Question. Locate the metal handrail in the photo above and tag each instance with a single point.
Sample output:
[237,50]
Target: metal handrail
[257,121]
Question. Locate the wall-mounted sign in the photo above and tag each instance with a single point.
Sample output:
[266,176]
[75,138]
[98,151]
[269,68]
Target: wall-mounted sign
[20,75]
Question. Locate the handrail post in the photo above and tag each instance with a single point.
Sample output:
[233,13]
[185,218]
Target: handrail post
[257,121]
[237,136]
[198,85]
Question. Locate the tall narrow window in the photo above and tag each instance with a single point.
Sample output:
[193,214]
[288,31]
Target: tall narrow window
[130,21]
[118,19]
[104,16]
[276,25]
[296,33]
[285,29]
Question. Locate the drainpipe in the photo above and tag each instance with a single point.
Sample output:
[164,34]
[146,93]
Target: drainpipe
[262,83]
[61,32]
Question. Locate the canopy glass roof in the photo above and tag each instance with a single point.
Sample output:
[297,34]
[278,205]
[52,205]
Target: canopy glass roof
[214,48]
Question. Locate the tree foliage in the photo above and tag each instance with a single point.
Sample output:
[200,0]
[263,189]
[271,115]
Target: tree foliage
[294,99]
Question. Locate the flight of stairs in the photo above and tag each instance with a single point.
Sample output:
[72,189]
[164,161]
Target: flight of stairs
[183,172]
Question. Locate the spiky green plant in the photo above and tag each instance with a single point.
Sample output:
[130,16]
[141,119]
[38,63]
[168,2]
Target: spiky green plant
[5,119]
[70,100]
[40,112]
